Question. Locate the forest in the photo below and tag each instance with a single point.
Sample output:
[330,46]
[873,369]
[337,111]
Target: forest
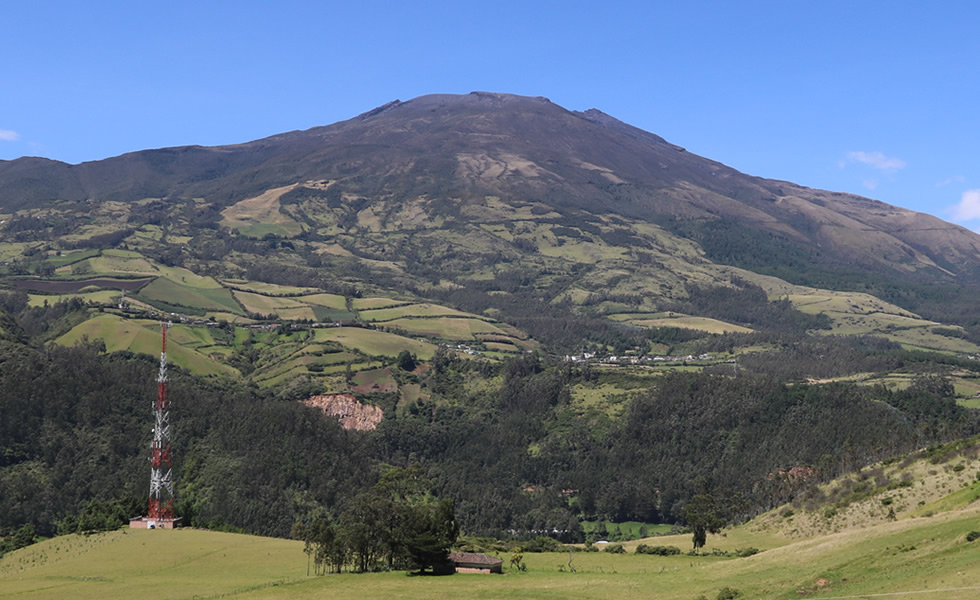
[502,441]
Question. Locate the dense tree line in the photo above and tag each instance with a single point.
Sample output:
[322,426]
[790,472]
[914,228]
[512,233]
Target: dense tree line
[514,454]
[395,524]
[747,304]
[74,426]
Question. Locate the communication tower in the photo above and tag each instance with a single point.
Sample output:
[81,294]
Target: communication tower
[161,504]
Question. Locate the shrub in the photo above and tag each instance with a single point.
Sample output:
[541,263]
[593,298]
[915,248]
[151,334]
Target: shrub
[972,536]
[786,513]
[658,550]
[727,593]
[830,513]
[615,549]
[543,544]
[743,552]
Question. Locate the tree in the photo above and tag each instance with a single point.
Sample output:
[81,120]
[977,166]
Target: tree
[405,361]
[703,515]
[430,531]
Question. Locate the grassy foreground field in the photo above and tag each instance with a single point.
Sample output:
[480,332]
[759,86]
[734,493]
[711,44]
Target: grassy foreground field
[926,558]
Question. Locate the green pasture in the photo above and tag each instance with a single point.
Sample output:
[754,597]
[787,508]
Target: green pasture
[99,297]
[631,529]
[112,264]
[681,321]
[296,360]
[374,343]
[373,303]
[328,315]
[261,287]
[449,328]
[605,398]
[412,310]
[175,294]
[333,301]
[925,558]
[142,336]
[501,347]
[69,257]
[265,305]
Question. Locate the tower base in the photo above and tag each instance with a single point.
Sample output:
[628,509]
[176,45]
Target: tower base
[148,523]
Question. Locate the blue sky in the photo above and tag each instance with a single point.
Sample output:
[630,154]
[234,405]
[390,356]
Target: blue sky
[875,98]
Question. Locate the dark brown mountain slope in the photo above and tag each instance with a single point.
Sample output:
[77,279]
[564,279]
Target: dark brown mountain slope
[582,168]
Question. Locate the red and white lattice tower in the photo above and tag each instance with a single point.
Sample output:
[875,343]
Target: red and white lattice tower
[161,463]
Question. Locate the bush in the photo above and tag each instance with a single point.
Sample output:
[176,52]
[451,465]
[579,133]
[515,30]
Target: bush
[615,549]
[727,593]
[658,550]
[543,544]
[972,536]
[743,552]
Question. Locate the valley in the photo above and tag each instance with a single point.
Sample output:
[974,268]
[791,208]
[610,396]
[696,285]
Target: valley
[558,319]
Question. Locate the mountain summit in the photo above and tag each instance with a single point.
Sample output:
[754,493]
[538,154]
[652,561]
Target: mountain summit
[456,191]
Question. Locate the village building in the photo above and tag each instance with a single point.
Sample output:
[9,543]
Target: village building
[470,562]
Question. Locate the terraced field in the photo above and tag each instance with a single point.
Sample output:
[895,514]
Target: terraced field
[678,320]
[143,336]
[374,343]
[171,293]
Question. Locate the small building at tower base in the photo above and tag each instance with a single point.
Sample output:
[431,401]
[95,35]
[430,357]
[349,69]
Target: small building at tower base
[148,523]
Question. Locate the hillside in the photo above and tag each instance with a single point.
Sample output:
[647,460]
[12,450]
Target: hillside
[926,554]
[498,205]
[561,318]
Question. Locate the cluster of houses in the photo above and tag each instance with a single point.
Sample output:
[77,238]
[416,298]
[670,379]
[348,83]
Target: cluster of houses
[635,360]
[462,348]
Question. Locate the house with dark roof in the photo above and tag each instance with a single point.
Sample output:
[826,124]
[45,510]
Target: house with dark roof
[470,562]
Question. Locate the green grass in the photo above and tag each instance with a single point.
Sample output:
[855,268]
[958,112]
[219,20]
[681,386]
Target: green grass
[682,321]
[913,555]
[333,301]
[449,328]
[172,293]
[286,308]
[67,258]
[262,287]
[604,398]
[100,297]
[412,310]
[632,529]
[374,343]
[165,564]
[372,303]
[143,336]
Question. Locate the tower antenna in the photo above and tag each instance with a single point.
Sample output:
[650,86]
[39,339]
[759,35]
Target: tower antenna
[160,512]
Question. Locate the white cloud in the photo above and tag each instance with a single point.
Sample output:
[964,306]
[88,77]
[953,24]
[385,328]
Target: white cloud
[8,135]
[968,207]
[870,183]
[876,160]
[949,180]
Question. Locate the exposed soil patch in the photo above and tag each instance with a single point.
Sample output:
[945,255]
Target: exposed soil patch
[351,413]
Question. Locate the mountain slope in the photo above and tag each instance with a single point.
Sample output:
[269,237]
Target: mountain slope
[519,149]
[489,202]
